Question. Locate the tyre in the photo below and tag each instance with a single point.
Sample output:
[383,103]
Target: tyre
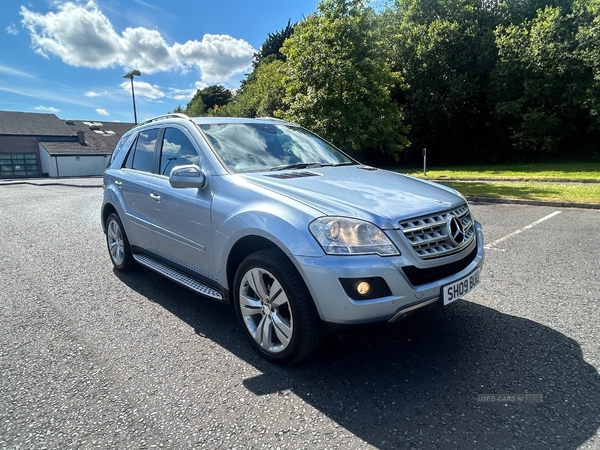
[118,244]
[276,311]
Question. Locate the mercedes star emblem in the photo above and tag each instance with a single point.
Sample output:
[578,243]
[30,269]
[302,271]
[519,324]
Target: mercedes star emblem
[456,231]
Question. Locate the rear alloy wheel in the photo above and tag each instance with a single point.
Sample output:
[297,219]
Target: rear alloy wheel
[276,311]
[118,244]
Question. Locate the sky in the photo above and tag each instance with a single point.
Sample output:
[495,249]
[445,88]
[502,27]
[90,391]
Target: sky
[68,58]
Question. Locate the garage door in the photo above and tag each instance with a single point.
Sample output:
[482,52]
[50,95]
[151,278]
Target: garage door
[18,165]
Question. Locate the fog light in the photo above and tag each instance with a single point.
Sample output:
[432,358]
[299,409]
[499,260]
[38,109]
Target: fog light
[363,288]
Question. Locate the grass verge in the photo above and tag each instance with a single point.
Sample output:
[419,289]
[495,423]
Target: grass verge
[564,182]
[582,172]
[561,192]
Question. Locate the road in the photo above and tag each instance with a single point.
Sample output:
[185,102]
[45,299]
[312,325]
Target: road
[94,359]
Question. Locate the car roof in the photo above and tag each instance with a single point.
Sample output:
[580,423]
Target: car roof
[211,120]
[166,118]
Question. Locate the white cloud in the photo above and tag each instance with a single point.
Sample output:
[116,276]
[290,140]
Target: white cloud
[12,29]
[217,56]
[102,112]
[51,109]
[181,94]
[92,94]
[143,89]
[46,95]
[14,72]
[82,36]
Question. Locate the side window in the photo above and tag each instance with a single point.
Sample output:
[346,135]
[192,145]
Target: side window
[128,163]
[120,146]
[141,155]
[177,150]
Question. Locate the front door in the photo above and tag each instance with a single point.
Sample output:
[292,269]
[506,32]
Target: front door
[181,217]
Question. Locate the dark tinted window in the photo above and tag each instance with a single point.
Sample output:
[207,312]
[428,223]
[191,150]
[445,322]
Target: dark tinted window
[18,164]
[120,146]
[177,150]
[128,163]
[143,156]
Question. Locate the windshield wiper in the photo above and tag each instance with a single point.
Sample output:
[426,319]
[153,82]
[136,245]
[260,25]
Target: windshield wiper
[299,166]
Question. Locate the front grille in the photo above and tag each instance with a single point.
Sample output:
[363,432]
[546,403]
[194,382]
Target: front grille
[429,237]
[417,276]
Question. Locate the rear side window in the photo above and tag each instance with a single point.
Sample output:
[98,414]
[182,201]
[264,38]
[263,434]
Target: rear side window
[120,146]
[177,150]
[141,155]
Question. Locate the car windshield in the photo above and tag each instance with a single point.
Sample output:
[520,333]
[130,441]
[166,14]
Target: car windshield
[252,147]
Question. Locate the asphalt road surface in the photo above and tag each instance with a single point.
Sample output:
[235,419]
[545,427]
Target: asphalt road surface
[94,359]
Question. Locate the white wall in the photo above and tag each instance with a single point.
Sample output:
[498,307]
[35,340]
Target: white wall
[47,162]
[72,166]
[80,166]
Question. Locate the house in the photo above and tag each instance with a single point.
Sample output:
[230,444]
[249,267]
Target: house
[42,145]
[88,154]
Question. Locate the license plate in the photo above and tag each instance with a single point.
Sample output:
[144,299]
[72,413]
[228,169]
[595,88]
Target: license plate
[460,288]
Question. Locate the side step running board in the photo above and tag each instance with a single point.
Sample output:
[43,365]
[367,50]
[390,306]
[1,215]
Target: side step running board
[178,277]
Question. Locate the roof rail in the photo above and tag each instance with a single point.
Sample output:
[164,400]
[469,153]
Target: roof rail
[274,119]
[166,116]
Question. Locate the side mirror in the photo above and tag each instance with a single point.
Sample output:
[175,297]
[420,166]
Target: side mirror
[189,176]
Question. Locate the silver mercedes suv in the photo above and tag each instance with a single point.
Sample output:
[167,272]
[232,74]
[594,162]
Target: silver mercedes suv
[299,237]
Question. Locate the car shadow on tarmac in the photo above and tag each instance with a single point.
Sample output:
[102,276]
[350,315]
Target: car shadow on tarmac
[464,376]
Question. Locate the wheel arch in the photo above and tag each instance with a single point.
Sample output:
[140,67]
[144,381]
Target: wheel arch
[243,248]
[107,210]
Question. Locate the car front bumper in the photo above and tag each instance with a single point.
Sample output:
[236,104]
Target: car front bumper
[338,310]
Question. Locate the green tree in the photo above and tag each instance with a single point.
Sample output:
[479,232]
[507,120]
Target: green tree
[472,80]
[338,81]
[207,99]
[196,107]
[271,49]
[515,12]
[545,92]
[264,95]
[588,52]
[445,51]
[215,96]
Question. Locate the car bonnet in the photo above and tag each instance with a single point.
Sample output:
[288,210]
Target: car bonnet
[362,192]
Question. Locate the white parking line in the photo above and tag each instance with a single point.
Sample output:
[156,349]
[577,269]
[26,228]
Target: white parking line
[491,245]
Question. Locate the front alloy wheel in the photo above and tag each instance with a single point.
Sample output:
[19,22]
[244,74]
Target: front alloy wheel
[266,311]
[275,309]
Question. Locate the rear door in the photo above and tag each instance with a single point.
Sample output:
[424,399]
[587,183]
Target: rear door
[137,170]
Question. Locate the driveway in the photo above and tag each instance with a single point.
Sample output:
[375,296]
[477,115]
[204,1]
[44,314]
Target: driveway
[94,359]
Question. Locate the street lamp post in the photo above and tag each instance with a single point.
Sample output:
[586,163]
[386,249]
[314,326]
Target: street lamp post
[130,75]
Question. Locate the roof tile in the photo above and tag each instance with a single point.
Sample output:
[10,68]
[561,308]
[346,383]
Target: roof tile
[32,124]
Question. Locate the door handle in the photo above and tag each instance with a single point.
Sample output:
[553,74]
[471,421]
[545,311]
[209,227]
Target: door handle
[154,196]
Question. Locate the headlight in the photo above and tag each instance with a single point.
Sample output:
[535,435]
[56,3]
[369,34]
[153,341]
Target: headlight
[343,236]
